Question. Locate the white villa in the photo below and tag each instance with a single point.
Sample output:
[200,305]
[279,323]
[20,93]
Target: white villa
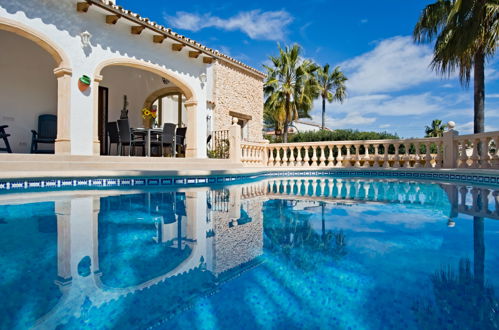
[49,46]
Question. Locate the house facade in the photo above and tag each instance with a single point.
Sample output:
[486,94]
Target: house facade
[50,46]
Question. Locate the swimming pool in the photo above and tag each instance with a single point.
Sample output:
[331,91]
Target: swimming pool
[279,252]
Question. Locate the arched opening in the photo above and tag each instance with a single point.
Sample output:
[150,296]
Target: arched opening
[170,105]
[126,87]
[34,81]
[28,89]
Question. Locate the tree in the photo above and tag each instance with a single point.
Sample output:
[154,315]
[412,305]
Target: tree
[465,34]
[331,87]
[290,87]
[436,129]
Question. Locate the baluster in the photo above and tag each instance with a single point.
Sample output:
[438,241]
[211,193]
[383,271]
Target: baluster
[486,158]
[475,158]
[407,162]
[386,160]
[285,156]
[427,157]
[396,158]
[271,156]
[339,157]
[484,194]
[417,157]
[314,188]
[366,158]
[475,194]
[348,157]
[330,157]
[357,155]
[463,157]
[306,160]
[463,191]
[314,156]
[306,185]
[322,157]
[376,155]
[299,157]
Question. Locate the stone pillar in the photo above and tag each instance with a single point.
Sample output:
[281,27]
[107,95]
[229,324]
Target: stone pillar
[450,148]
[235,153]
[192,129]
[95,114]
[63,140]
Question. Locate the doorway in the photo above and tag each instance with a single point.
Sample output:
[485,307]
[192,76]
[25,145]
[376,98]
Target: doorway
[103,119]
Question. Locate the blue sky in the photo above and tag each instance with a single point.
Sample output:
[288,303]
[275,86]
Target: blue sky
[390,85]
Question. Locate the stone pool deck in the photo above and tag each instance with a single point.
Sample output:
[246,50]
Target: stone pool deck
[25,166]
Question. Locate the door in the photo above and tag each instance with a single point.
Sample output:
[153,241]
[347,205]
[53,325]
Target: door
[103,118]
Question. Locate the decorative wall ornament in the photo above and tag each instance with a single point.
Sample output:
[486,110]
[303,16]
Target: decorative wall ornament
[84,83]
[85,39]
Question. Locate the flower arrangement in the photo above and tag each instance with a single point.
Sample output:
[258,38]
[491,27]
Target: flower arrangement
[149,114]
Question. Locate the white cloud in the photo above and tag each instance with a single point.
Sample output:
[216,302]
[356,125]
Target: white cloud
[394,64]
[467,128]
[492,96]
[350,120]
[268,25]
[389,105]
[384,126]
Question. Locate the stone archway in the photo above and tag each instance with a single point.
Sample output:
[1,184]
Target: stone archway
[62,72]
[181,86]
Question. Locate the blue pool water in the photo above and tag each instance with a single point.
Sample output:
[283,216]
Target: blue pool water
[284,253]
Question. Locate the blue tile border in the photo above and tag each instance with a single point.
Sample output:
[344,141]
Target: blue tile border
[43,184]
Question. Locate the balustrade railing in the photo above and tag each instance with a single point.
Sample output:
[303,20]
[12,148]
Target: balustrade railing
[477,150]
[450,151]
[218,145]
[413,153]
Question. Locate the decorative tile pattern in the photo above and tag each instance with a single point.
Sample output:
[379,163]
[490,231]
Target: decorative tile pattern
[100,183]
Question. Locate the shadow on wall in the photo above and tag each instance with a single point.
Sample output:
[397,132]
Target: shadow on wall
[110,38]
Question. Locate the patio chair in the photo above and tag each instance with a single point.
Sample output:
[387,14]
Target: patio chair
[180,138]
[166,139]
[4,136]
[129,139]
[46,134]
[114,136]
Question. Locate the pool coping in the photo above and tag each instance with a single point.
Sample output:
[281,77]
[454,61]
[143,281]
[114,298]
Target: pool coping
[157,179]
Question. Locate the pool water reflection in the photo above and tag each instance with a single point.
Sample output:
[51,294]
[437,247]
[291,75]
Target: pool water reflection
[277,253]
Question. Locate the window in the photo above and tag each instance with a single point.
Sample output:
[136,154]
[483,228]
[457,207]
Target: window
[171,109]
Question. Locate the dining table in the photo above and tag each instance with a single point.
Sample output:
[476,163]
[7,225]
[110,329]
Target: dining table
[147,133]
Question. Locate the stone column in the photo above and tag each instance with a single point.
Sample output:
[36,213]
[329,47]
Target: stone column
[192,129]
[95,114]
[63,140]
[450,148]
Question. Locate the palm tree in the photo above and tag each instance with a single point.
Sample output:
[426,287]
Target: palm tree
[465,34]
[290,86]
[436,129]
[331,87]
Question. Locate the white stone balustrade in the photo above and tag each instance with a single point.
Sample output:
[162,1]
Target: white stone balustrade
[450,151]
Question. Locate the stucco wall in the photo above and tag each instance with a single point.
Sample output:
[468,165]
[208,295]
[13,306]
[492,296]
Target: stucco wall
[28,88]
[238,91]
[62,25]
